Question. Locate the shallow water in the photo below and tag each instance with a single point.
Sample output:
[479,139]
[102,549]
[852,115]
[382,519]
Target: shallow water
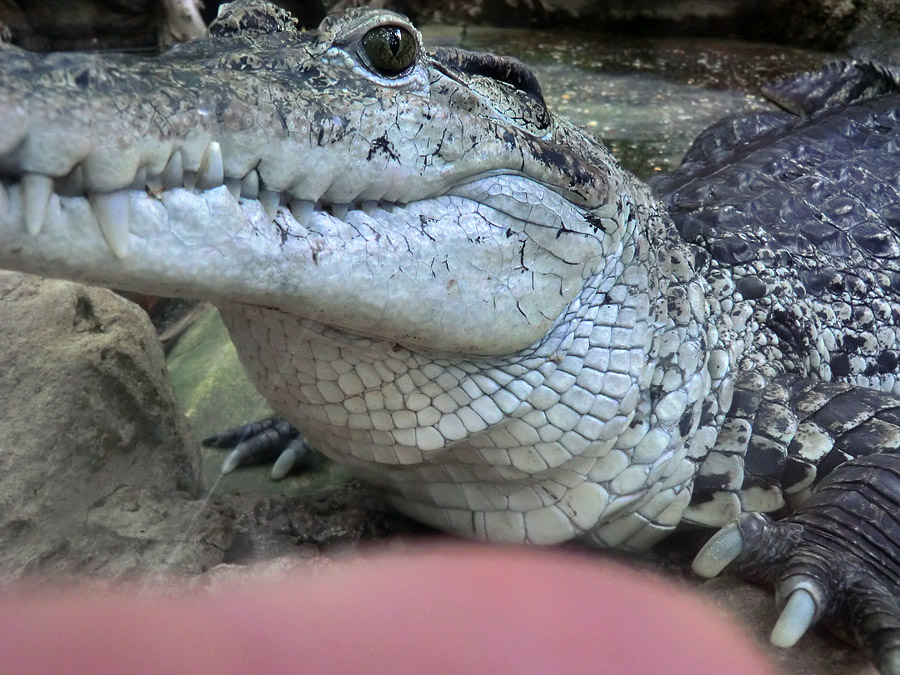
[647,99]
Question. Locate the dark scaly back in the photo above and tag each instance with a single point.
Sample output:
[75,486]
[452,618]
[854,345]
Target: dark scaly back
[803,212]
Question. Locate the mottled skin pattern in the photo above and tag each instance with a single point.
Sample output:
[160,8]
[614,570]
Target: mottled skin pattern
[808,232]
[803,211]
[464,298]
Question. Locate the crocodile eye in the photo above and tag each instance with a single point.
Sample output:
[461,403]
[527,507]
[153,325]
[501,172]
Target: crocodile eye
[391,49]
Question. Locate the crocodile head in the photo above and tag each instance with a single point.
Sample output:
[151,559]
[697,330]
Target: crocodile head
[348,176]
[444,285]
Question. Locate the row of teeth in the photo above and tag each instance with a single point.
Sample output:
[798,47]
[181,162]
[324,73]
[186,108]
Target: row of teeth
[112,208]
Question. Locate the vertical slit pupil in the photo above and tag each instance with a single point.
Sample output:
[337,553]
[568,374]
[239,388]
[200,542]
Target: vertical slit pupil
[390,50]
[394,41]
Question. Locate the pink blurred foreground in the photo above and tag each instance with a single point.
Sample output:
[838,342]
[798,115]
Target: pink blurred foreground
[448,609]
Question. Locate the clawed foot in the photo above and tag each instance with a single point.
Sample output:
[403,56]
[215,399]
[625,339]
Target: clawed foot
[266,441]
[817,577]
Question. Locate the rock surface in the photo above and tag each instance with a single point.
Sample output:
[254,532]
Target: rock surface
[99,471]
[820,24]
[64,25]
[871,26]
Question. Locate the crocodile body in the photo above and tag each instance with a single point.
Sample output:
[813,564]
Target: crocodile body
[483,346]
[460,295]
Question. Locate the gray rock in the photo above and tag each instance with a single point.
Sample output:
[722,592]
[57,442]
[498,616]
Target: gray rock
[820,24]
[64,25]
[99,471]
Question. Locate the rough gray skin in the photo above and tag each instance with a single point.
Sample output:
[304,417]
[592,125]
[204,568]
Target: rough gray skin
[462,297]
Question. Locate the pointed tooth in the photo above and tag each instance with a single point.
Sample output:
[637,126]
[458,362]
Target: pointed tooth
[212,168]
[339,211]
[111,210]
[173,174]
[234,187]
[303,210]
[270,201]
[37,189]
[190,180]
[369,207]
[313,185]
[387,206]
[336,190]
[250,185]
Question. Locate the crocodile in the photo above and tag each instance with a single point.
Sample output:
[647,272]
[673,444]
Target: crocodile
[463,298]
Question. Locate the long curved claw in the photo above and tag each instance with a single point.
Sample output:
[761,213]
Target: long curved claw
[232,460]
[798,615]
[260,442]
[289,458]
[889,663]
[260,449]
[721,550]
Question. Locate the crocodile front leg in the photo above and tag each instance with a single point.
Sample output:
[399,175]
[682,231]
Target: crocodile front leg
[270,440]
[834,558]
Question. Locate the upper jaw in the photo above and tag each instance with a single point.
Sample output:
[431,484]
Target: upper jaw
[267,177]
[456,274]
[284,113]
